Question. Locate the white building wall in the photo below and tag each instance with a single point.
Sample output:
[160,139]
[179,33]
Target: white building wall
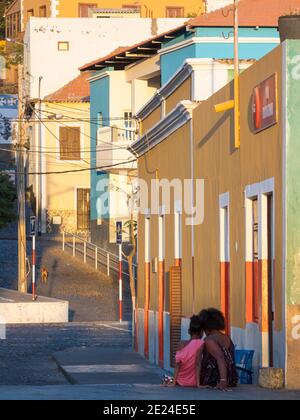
[88,39]
[217,4]
[54,8]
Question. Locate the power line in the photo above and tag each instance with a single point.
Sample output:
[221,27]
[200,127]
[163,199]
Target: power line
[51,132]
[96,168]
[89,118]
[97,140]
[60,106]
[36,152]
[97,122]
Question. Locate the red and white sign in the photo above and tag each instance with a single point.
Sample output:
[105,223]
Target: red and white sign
[265,104]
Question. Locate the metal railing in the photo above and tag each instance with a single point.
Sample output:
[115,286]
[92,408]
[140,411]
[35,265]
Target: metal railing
[100,258]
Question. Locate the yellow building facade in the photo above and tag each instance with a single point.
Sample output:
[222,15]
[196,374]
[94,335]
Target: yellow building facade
[75,8]
[239,251]
[19,12]
[60,149]
[148,8]
[67,195]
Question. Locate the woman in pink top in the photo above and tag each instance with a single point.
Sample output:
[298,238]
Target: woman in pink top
[188,357]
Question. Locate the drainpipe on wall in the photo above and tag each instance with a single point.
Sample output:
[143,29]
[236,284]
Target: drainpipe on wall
[192,206]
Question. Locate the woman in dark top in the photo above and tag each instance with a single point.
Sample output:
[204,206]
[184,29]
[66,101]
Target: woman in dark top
[218,363]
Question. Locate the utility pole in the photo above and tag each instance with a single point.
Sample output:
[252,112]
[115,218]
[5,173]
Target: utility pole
[236,78]
[22,277]
[40,189]
[234,103]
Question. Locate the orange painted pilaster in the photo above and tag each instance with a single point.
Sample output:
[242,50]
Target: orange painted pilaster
[249,293]
[225,292]
[253,292]
[178,262]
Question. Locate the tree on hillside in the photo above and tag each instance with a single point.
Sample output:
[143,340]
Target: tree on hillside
[3,6]
[13,54]
[8,197]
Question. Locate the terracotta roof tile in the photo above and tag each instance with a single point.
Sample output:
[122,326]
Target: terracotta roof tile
[112,54]
[263,13]
[77,90]
[122,50]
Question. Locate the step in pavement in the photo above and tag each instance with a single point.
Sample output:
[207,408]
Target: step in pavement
[106,366]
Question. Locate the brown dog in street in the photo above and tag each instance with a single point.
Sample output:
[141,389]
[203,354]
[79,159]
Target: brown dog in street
[45,274]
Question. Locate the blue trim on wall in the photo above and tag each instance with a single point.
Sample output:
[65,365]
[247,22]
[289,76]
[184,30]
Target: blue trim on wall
[244,32]
[99,94]
[172,61]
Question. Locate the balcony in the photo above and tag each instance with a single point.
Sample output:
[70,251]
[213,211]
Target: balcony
[112,144]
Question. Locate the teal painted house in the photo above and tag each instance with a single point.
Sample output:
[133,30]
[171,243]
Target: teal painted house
[217,43]
[208,36]
[211,35]
[100,114]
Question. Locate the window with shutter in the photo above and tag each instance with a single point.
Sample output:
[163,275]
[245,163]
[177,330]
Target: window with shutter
[83,9]
[175,12]
[69,138]
[43,11]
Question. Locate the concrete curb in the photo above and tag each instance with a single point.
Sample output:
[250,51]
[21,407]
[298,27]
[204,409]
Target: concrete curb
[68,377]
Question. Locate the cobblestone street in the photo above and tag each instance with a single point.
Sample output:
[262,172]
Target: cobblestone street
[26,354]
[92,295]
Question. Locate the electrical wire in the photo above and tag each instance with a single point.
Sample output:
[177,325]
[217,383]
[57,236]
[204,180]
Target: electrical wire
[96,168]
[97,140]
[60,106]
[51,132]
[94,123]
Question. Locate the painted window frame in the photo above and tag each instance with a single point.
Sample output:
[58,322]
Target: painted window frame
[82,134]
[30,13]
[147,238]
[178,232]
[43,8]
[260,190]
[172,8]
[88,6]
[224,256]
[60,43]
[161,234]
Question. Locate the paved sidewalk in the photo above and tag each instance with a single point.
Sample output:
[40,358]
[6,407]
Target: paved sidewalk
[138,392]
[106,366]
[122,374]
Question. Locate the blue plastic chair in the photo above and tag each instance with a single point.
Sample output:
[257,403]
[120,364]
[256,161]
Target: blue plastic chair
[244,366]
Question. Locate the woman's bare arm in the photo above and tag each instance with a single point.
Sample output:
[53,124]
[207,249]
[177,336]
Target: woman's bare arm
[176,373]
[198,366]
[214,349]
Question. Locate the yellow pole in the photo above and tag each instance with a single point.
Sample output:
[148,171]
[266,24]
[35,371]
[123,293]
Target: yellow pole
[237,140]
[224,106]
